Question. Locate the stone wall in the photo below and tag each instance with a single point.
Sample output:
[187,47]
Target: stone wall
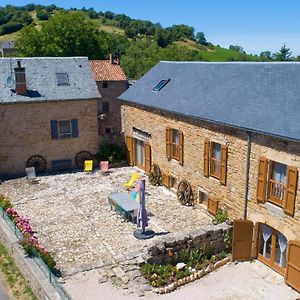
[231,195]
[26,131]
[113,117]
[208,238]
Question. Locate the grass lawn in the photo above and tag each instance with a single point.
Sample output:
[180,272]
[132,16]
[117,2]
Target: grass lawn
[16,283]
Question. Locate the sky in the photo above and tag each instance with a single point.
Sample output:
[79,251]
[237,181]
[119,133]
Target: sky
[256,25]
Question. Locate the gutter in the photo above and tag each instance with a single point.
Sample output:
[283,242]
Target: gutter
[247,175]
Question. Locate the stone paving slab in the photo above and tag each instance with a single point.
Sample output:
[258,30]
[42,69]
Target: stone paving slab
[72,217]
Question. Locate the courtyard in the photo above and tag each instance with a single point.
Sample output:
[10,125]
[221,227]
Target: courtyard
[73,219]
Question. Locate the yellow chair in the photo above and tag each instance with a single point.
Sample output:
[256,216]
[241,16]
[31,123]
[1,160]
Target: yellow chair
[131,181]
[88,165]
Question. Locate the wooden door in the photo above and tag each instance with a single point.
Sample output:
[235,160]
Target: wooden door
[129,149]
[292,275]
[147,158]
[242,239]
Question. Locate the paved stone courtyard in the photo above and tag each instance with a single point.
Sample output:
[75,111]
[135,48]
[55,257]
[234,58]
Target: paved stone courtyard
[72,217]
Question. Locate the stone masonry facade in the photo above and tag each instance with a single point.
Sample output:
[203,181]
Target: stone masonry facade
[231,195]
[112,118]
[26,131]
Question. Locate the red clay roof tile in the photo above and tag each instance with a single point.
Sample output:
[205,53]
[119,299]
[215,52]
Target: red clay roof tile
[103,70]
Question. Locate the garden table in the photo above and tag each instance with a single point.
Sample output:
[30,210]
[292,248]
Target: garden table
[124,204]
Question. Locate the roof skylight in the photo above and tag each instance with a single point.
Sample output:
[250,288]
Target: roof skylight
[62,78]
[161,84]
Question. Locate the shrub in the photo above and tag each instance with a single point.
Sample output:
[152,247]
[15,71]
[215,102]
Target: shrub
[4,202]
[42,15]
[111,152]
[220,217]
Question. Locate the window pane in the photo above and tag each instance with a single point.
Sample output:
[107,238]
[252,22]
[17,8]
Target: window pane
[279,173]
[280,250]
[62,78]
[64,128]
[216,151]
[175,136]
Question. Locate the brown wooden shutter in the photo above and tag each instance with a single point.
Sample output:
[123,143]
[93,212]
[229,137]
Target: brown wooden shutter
[291,190]
[168,143]
[206,158]
[223,171]
[165,179]
[147,158]
[212,205]
[129,148]
[292,273]
[262,180]
[180,150]
[242,239]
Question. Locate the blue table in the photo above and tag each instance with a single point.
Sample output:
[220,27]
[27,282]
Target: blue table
[124,204]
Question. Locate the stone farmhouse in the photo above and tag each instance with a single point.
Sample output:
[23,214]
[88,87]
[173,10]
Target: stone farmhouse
[111,82]
[230,134]
[48,113]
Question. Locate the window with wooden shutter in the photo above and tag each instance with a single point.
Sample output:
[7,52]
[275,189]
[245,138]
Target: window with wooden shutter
[262,180]
[168,143]
[180,147]
[54,129]
[291,189]
[212,205]
[242,239]
[129,148]
[223,170]
[147,158]
[206,158]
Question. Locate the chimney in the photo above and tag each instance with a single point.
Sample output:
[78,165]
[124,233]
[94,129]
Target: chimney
[20,79]
[111,58]
[117,61]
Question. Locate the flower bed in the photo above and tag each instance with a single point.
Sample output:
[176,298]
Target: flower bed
[30,242]
[188,266]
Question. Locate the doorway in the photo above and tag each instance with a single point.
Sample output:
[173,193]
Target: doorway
[139,151]
[272,248]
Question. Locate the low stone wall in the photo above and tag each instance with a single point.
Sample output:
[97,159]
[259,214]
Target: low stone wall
[210,237]
[39,283]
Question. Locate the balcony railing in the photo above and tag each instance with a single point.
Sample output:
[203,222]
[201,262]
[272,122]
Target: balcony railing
[276,192]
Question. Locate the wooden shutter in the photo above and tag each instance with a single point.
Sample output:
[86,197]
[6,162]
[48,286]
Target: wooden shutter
[292,273]
[242,239]
[291,190]
[212,205]
[168,143]
[165,179]
[262,180]
[223,171]
[54,129]
[147,158]
[129,148]
[74,124]
[180,148]
[206,158]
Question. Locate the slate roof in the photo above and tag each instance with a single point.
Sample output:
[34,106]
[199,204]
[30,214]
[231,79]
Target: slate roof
[42,82]
[103,70]
[258,97]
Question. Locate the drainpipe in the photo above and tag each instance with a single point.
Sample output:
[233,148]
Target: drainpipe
[247,175]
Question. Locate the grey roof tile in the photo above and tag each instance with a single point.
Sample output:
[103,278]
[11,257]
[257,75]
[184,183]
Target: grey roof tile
[260,97]
[42,82]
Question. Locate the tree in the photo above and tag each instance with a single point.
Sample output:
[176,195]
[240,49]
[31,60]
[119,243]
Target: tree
[200,38]
[237,48]
[284,54]
[265,55]
[65,34]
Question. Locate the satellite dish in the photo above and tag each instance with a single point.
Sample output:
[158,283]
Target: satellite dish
[10,82]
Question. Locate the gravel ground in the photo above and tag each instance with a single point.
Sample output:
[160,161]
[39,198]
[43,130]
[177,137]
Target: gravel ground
[246,281]
[72,217]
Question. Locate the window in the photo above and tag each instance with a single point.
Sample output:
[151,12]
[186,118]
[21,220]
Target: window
[277,183]
[62,78]
[174,144]
[215,160]
[64,129]
[105,107]
[161,84]
[105,84]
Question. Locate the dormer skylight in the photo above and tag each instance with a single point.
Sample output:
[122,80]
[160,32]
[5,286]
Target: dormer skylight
[62,78]
[161,84]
